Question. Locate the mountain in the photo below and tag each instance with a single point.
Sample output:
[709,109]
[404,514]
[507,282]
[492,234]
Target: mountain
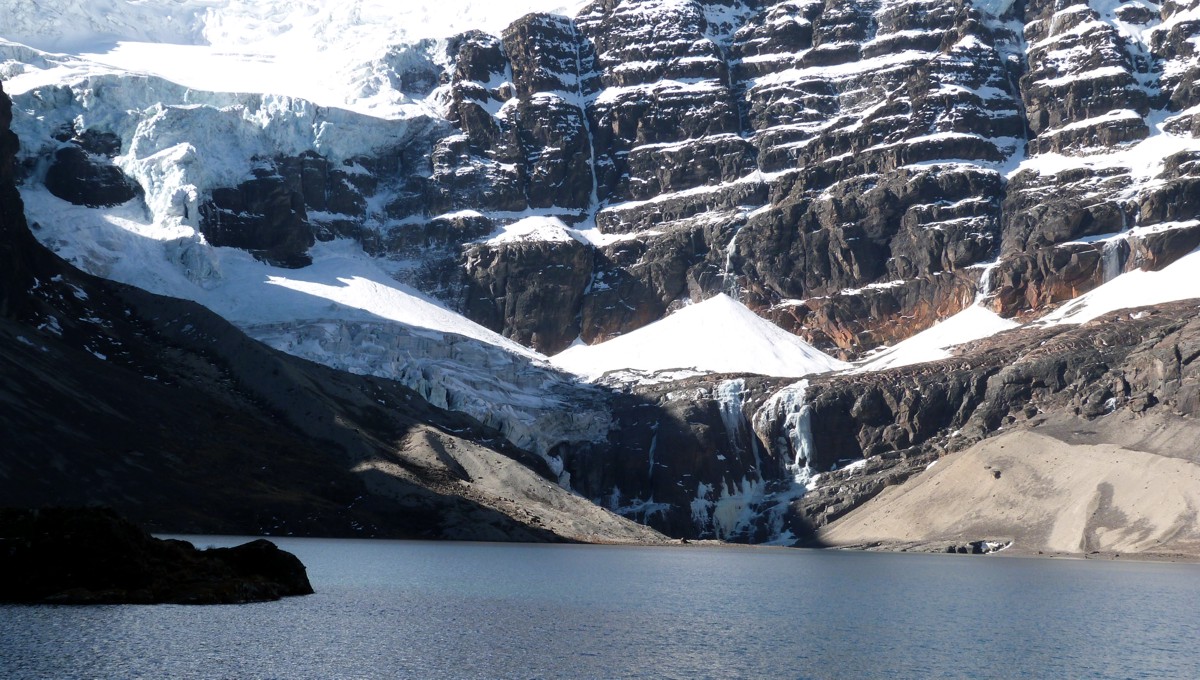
[711,203]
[159,407]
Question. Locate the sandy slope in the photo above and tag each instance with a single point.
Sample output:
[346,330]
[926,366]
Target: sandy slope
[457,467]
[1044,494]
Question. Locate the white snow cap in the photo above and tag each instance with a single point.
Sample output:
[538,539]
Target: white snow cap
[719,335]
[536,228]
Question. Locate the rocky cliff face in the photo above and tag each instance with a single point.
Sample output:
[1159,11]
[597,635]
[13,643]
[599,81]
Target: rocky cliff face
[847,168]
[850,170]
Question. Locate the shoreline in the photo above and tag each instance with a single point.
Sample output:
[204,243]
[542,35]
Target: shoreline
[1015,552]
[934,547]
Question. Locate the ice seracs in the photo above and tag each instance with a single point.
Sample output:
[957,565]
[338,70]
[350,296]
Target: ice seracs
[343,311]
[325,51]
[719,335]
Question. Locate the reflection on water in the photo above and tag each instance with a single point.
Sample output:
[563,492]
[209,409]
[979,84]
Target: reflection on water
[388,609]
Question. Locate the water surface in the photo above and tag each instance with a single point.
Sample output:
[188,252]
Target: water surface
[393,609]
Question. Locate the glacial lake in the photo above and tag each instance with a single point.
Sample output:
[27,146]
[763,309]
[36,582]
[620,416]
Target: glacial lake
[395,609]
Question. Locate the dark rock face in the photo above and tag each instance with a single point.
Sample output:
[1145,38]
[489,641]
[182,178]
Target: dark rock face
[15,239]
[289,204]
[839,164]
[635,282]
[687,106]
[1097,76]
[877,316]
[547,60]
[437,246]
[84,178]
[92,556]
[845,168]
[1094,100]
[684,459]
[262,215]
[529,291]
[524,141]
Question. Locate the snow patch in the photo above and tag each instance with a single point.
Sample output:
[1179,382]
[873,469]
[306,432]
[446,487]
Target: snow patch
[536,229]
[719,335]
[973,323]
[1178,281]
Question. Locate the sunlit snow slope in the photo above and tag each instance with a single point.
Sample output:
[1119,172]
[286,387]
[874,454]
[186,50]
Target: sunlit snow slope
[973,323]
[342,283]
[1179,281]
[719,335]
[1138,288]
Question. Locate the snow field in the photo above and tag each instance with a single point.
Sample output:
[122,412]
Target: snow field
[342,283]
[1178,281]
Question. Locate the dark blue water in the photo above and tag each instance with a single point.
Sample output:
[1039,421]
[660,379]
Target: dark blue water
[420,610]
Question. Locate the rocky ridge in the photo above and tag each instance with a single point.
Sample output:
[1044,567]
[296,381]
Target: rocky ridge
[847,169]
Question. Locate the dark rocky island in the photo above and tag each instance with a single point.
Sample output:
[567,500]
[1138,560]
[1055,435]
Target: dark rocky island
[93,556]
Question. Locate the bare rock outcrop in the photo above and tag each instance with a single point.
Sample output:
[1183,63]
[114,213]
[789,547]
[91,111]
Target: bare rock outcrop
[93,556]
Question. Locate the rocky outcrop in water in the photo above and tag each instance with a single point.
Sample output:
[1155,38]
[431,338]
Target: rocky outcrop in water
[92,556]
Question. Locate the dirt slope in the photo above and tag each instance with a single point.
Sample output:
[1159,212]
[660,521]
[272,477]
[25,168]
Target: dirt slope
[1044,494]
